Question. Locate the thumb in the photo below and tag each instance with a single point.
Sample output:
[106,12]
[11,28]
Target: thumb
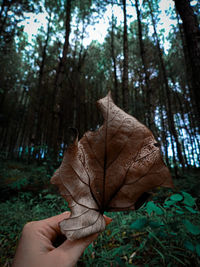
[75,248]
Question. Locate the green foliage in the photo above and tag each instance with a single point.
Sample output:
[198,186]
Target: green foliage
[16,176]
[188,199]
[153,236]
[151,207]
[139,224]
[191,228]
[163,232]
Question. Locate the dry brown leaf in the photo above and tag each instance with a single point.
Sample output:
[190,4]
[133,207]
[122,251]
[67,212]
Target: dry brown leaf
[108,170]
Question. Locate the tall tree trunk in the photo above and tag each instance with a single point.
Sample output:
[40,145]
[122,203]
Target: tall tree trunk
[192,36]
[40,95]
[2,8]
[171,123]
[116,93]
[194,124]
[3,19]
[125,91]
[164,135]
[148,93]
[57,97]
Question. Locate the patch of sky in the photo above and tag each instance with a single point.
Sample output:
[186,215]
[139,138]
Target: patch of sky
[176,87]
[98,29]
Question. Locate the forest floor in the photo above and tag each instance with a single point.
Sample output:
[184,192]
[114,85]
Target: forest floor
[163,232]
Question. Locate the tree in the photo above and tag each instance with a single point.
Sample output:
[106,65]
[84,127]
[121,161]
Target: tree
[167,92]
[192,36]
[53,82]
[148,104]
[125,90]
[116,89]
[57,97]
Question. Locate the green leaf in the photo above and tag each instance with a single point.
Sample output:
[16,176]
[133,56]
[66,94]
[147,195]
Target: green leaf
[198,249]
[124,222]
[189,245]
[50,196]
[193,229]
[176,197]
[188,199]
[178,207]
[172,233]
[169,203]
[139,224]
[179,211]
[152,207]
[191,209]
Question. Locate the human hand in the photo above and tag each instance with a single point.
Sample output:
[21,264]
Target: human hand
[35,248]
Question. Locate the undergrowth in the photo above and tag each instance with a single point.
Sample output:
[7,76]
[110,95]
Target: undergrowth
[163,232]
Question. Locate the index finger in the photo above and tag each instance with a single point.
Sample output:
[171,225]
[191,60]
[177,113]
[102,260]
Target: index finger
[54,220]
[50,227]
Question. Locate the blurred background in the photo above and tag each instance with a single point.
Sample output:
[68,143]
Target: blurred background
[57,58]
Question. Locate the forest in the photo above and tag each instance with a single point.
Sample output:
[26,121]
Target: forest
[50,81]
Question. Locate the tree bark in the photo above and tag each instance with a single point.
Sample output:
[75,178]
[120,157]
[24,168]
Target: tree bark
[125,91]
[148,105]
[116,93]
[192,36]
[40,95]
[57,97]
[3,20]
[2,8]
[170,118]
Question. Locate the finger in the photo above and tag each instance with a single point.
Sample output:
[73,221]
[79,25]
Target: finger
[78,246]
[75,248]
[87,240]
[50,227]
[55,220]
[58,218]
